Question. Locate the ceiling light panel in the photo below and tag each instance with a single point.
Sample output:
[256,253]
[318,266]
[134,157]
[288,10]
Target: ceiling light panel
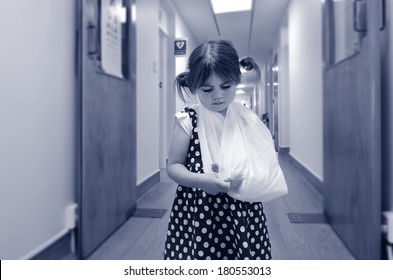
[230,6]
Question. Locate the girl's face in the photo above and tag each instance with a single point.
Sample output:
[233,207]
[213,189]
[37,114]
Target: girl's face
[216,94]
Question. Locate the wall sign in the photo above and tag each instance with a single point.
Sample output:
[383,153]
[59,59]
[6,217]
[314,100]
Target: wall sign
[180,46]
[112,17]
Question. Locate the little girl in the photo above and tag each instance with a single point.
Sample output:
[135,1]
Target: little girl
[205,222]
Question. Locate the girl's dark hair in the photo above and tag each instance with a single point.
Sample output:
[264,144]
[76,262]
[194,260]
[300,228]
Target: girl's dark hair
[214,56]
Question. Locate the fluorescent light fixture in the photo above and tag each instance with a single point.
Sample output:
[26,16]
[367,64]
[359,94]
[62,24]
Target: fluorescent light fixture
[230,6]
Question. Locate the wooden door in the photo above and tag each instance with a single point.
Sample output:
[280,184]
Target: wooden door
[352,135]
[107,173]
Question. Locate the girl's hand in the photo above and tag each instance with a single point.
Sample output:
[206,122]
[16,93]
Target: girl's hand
[213,185]
[235,182]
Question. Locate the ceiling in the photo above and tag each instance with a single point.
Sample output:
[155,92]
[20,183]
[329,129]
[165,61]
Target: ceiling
[253,32]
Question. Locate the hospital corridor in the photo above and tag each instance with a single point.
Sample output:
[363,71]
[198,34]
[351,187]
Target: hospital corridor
[118,119]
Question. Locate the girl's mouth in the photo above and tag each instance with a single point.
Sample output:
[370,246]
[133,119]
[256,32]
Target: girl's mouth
[218,103]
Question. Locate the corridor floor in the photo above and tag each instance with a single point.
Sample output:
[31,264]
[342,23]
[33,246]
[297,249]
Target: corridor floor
[143,238]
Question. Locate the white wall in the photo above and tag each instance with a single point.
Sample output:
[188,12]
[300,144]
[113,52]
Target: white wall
[182,31]
[148,100]
[147,67]
[283,90]
[305,84]
[37,109]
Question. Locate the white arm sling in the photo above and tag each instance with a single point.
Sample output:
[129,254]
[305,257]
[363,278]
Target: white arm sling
[240,147]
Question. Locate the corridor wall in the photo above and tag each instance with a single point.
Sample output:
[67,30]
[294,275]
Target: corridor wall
[37,124]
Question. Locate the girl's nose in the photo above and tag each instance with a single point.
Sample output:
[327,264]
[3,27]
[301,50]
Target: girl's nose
[218,94]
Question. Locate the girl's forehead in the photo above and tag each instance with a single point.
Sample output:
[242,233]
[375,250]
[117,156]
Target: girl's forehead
[215,79]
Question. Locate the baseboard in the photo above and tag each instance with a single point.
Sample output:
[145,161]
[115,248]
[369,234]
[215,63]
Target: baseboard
[58,250]
[147,184]
[315,181]
[283,151]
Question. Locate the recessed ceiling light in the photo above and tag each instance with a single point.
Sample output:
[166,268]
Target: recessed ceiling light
[230,6]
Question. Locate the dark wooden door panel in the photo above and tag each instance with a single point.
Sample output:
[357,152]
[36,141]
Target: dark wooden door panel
[107,194]
[352,157]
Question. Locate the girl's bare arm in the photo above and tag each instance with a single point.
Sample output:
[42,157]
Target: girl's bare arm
[180,174]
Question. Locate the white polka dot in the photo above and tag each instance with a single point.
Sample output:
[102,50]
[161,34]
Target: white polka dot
[198,238]
[204,230]
[242,229]
[206,244]
[200,253]
[245,244]
[208,222]
[233,207]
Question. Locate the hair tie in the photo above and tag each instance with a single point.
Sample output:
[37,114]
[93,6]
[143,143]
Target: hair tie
[247,63]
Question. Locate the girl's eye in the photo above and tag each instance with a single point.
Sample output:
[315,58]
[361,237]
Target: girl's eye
[207,89]
[226,86]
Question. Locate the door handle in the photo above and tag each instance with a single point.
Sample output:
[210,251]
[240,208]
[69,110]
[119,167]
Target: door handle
[383,15]
[92,34]
[360,16]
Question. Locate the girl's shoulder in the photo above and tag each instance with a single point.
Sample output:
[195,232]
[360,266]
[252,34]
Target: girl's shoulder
[188,111]
[185,118]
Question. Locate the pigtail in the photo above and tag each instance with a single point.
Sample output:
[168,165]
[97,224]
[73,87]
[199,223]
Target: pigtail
[248,64]
[182,86]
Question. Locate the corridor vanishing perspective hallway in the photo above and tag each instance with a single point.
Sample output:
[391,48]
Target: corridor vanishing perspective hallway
[144,238]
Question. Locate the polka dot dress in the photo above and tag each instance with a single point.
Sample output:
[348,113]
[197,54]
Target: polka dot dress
[204,226]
